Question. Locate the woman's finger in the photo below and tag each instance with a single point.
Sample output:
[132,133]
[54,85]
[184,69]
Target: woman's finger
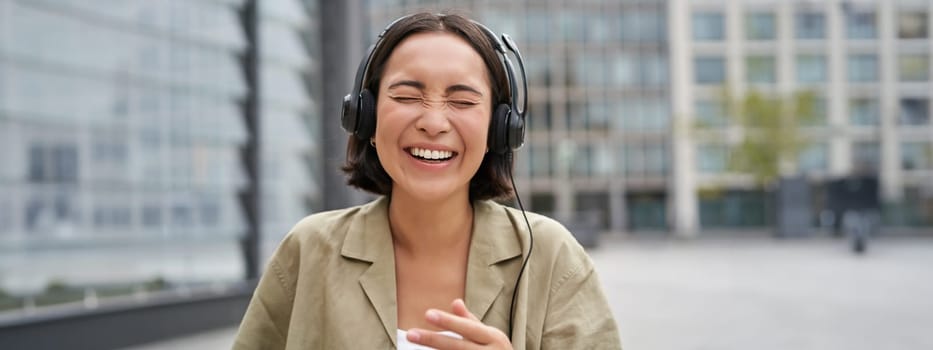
[438,340]
[471,329]
[459,308]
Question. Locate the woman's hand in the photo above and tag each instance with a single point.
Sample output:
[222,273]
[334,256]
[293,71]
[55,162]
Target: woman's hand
[476,335]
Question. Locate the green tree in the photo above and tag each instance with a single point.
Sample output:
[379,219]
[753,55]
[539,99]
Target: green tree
[771,132]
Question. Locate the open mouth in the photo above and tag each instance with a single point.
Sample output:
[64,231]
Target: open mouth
[432,156]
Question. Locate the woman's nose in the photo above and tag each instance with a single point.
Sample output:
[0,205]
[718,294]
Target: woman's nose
[433,119]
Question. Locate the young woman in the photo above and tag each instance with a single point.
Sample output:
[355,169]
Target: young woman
[433,262]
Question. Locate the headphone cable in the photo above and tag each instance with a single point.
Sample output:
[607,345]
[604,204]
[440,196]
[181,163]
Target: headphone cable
[531,244]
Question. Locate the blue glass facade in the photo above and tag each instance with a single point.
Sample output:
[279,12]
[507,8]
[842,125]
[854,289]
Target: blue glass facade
[121,131]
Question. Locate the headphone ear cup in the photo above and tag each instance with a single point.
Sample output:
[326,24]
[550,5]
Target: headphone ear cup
[498,129]
[516,131]
[349,114]
[366,125]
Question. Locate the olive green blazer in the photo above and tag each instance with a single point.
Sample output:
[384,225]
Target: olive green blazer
[331,284]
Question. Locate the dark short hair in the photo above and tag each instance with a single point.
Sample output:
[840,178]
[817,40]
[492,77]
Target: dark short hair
[493,178]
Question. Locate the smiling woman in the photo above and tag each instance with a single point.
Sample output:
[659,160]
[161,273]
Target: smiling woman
[434,117]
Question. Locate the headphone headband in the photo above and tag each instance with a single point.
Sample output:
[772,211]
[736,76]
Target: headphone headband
[358,115]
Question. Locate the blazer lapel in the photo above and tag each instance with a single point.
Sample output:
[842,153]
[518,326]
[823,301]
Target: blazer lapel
[494,241]
[370,240]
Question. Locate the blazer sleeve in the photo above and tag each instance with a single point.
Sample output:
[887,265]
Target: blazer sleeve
[578,315]
[265,324]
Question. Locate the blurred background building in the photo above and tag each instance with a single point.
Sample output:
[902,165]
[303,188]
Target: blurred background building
[136,136]
[868,63]
[129,130]
[123,127]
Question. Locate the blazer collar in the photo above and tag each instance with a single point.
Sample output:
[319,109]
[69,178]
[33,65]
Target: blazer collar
[495,239]
[369,239]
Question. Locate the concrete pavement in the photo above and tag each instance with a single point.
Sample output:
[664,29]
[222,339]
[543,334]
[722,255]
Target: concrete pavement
[750,292]
[740,292]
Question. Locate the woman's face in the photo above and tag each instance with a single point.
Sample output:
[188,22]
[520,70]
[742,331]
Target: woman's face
[433,115]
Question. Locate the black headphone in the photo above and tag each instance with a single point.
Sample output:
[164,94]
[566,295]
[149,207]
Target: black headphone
[507,127]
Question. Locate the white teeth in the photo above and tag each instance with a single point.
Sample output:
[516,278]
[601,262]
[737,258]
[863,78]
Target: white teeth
[430,154]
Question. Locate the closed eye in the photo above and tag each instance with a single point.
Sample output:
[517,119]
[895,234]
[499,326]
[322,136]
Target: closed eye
[463,103]
[406,99]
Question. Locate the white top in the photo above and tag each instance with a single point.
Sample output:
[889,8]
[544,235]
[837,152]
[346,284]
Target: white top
[404,344]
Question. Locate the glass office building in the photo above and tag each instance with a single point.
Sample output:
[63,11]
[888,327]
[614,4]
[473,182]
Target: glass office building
[122,133]
[868,62]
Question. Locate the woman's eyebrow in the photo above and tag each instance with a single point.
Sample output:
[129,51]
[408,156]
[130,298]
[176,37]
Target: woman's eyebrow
[413,83]
[462,87]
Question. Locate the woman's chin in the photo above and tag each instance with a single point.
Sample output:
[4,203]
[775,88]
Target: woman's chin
[435,191]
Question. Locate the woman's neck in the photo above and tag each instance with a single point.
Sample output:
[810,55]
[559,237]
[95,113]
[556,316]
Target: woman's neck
[420,227]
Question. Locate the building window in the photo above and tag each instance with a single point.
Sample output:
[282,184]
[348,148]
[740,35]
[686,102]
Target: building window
[861,25]
[647,159]
[53,163]
[640,114]
[540,157]
[151,216]
[591,69]
[708,26]
[597,115]
[916,155]
[810,25]
[866,156]
[628,115]
[538,26]
[733,209]
[646,211]
[542,202]
[759,26]
[542,116]
[712,159]
[109,216]
[624,69]
[813,158]
[864,111]
[655,114]
[537,67]
[710,114]
[572,30]
[656,159]
[863,68]
[181,215]
[37,164]
[644,25]
[36,214]
[582,163]
[913,67]
[760,69]
[603,162]
[653,69]
[820,112]
[915,111]
[576,116]
[709,70]
[210,211]
[912,25]
[811,68]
